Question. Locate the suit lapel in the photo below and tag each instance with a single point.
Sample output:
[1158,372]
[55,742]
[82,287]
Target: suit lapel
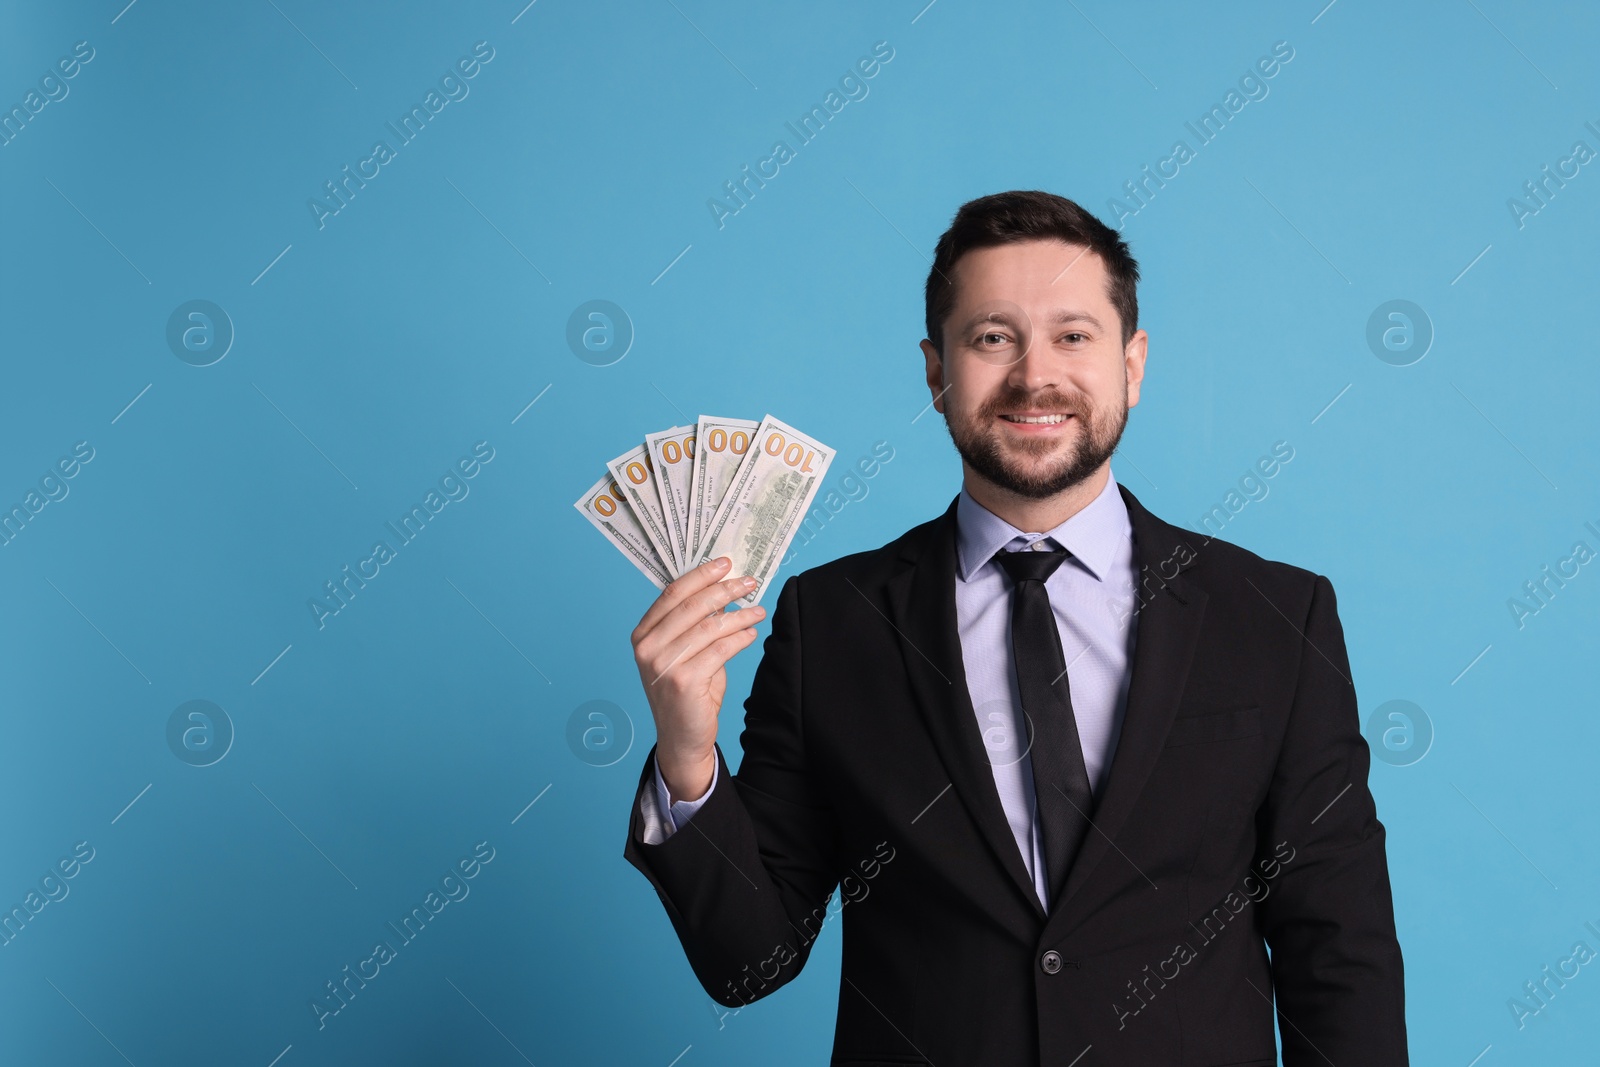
[922,607]
[1168,626]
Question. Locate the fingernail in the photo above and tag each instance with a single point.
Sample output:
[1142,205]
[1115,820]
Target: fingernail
[720,563]
[749,583]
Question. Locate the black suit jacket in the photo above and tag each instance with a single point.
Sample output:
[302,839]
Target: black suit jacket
[1235,818]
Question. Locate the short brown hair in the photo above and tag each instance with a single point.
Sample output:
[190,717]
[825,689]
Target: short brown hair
[1024,215]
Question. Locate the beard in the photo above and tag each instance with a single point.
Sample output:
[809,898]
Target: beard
[1070,462]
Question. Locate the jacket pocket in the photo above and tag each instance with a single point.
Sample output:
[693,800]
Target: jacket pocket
[1215,726]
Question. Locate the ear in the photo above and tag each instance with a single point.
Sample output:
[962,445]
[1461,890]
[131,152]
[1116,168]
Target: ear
[934,371]
[1133,363]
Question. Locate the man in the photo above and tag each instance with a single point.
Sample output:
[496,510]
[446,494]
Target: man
[1088,767]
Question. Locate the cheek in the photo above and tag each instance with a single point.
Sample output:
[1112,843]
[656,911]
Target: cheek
[972,385]
[964,400]
[1103,383]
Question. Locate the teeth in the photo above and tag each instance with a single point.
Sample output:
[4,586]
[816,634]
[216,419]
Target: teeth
[1051,419]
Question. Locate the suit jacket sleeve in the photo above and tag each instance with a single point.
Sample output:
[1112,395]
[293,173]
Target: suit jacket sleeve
[747,881]
[1329,918]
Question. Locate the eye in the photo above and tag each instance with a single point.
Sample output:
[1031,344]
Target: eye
[997,336]
[1079,336]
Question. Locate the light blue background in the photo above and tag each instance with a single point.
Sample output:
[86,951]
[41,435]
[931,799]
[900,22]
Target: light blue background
[425,316]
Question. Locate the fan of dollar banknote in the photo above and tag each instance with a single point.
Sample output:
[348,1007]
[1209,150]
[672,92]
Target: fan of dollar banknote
[722,487]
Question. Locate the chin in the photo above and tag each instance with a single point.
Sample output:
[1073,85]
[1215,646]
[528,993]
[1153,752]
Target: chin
[1035,482]
[1039,454]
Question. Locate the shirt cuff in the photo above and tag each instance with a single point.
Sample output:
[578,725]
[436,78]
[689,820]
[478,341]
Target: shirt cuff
[661,814]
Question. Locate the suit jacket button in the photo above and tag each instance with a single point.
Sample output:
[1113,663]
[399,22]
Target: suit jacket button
[1050,961]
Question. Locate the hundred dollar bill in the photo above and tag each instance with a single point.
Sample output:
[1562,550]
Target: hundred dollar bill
[720,446]
[672,451]
[765,503]
[605,506]
[636,474]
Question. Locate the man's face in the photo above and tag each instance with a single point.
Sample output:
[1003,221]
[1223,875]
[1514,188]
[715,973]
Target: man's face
[1035,383]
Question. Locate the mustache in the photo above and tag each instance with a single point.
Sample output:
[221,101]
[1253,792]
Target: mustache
[1020,400]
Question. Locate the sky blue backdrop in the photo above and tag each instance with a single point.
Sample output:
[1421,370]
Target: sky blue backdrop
[372,352]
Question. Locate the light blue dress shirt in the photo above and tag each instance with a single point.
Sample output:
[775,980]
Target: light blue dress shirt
[1092,596]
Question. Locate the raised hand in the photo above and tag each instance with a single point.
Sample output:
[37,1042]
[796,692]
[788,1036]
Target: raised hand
[681,646]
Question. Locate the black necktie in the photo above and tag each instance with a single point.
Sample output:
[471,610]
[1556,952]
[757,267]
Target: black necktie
[1060,779]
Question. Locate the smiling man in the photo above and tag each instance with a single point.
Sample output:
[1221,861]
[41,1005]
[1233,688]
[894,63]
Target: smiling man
[1111,763]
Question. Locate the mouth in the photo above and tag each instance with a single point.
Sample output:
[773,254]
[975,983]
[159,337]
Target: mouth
[1036,418]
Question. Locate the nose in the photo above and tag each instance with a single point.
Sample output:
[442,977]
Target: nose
[1036,369]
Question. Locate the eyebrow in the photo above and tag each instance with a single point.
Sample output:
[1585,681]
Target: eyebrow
[1058,317]
[1064,315]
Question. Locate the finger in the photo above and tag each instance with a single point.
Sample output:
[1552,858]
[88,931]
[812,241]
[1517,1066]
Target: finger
[720,651]
[713,598]
[697,606]
[685,585]
[709,630]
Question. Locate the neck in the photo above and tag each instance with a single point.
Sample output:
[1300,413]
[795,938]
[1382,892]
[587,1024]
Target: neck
[1035,515]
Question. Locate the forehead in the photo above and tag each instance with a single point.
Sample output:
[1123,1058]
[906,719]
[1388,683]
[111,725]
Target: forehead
[1032,272]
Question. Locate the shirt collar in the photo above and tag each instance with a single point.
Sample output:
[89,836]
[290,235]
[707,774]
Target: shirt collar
[1093,536]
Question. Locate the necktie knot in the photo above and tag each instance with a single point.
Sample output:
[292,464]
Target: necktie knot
[1031,565]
